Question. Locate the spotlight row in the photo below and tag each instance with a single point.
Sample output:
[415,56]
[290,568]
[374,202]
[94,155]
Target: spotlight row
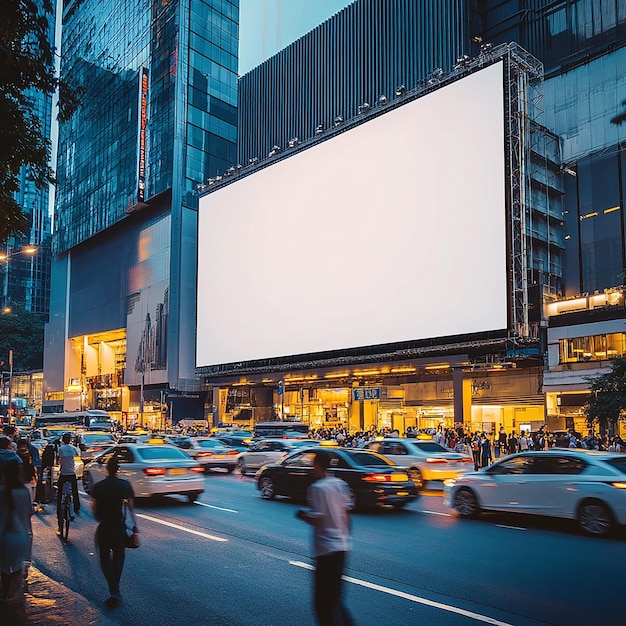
[435,77]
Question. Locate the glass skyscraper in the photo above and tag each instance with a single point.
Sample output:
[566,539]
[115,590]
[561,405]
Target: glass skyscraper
[157,117]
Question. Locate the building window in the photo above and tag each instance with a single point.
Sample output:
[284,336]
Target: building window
[594,348]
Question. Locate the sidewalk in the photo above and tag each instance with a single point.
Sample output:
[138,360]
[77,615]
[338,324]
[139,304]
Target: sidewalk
[48,603]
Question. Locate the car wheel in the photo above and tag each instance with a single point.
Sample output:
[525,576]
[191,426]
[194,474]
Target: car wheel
[241,466]
[465,503]
[192,496]
[266,487]
[88,483]
[417,478]
[230,469]
[595,518]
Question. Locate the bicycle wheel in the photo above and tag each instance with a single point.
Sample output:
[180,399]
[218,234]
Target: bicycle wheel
[65,522]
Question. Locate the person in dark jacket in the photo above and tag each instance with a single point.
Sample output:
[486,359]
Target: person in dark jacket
[108,497]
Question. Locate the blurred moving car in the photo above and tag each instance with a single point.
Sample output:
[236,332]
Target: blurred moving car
[427,460]
[372,478]
[587,486]
[212,454]
[238,440]
[91,444]
[268,451]
[151,470]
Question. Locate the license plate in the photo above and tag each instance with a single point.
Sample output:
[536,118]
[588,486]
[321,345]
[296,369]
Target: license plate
[220,456]
[402,493]
[178,471]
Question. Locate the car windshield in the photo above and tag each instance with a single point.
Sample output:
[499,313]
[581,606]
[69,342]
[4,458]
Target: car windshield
[210,443]
[429,446]
[158,453]
[619,464]
[368,459]
[93,438]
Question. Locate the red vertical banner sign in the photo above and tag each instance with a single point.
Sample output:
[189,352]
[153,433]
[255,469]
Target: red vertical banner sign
[143,122]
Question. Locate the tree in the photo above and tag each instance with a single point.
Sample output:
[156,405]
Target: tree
[26,63]
[608,396]
[22,332]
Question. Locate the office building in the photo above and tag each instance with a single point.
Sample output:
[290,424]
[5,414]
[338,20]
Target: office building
[157,117]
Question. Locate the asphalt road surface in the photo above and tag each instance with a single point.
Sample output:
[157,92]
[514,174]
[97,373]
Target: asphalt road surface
[235,559]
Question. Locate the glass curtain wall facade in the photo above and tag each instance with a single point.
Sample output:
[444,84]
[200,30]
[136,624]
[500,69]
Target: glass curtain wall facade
[157,113]
[582,44]
[25,277]
[365,51]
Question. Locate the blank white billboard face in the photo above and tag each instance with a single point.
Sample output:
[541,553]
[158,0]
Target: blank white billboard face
[392,231]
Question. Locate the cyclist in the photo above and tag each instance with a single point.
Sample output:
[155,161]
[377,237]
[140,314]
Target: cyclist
[67,474]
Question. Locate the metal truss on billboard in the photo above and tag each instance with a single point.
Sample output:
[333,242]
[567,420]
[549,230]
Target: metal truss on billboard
[525,139]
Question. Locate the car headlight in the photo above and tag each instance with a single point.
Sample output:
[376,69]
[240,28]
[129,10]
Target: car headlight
[449,482]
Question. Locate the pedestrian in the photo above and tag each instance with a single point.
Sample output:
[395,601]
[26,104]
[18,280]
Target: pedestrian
[16,534]
[485,451]
[330,502]
[108,496]
[476,451]
[67,474]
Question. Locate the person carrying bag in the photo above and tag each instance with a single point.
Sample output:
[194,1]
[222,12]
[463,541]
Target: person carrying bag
[110,496]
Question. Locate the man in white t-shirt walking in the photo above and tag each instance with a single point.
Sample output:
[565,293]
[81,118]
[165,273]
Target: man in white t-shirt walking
[67,474]
[330,501]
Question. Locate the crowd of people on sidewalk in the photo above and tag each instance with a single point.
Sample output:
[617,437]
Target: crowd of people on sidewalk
[20,473]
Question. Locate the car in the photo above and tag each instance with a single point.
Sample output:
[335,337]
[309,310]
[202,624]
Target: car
[583,485]
[372,479]
[152,470]
[267,451]
[91,444]
[241,442]
[212,454]
[427,460]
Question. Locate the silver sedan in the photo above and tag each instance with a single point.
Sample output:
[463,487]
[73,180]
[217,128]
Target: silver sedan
[151,470]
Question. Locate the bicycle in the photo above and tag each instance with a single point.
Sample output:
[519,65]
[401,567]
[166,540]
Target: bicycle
[66,510]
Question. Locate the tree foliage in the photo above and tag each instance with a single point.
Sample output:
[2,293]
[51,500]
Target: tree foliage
[608,396]
[26,64]
[22,332]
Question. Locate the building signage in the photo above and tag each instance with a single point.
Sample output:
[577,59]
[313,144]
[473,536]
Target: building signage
[365,393]
[143,120]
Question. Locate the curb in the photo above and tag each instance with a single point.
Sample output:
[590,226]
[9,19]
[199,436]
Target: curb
[48,603]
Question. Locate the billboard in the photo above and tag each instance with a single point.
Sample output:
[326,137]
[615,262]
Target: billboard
[392,231]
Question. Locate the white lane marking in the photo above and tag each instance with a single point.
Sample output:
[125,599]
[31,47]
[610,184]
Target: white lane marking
[219,508]
[179,527]
[407,596]
[511,527]
[438,513]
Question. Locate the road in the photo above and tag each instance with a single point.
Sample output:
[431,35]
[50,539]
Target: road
[235,559]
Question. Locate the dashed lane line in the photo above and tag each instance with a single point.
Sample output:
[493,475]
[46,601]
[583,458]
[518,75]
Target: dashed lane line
[191,531]
[511,527]
[219,508]
[438,513]
[407,596]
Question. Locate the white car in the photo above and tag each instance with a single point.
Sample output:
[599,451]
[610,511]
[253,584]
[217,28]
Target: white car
[212,453]
[152,470]
[266,451]
[427,460]
[587,486]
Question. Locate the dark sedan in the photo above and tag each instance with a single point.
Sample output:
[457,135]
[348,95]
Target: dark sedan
[372,478]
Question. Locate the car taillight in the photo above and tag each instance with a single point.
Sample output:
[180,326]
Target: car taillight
[198,468]
[154,471]
[233,452]
[206,453]
[386,478]
[435,460]
[467,459]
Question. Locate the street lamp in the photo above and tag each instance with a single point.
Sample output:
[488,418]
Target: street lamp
[4,258]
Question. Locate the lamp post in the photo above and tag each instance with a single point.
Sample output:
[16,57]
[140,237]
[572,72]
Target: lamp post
[10,382]
[4,257]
